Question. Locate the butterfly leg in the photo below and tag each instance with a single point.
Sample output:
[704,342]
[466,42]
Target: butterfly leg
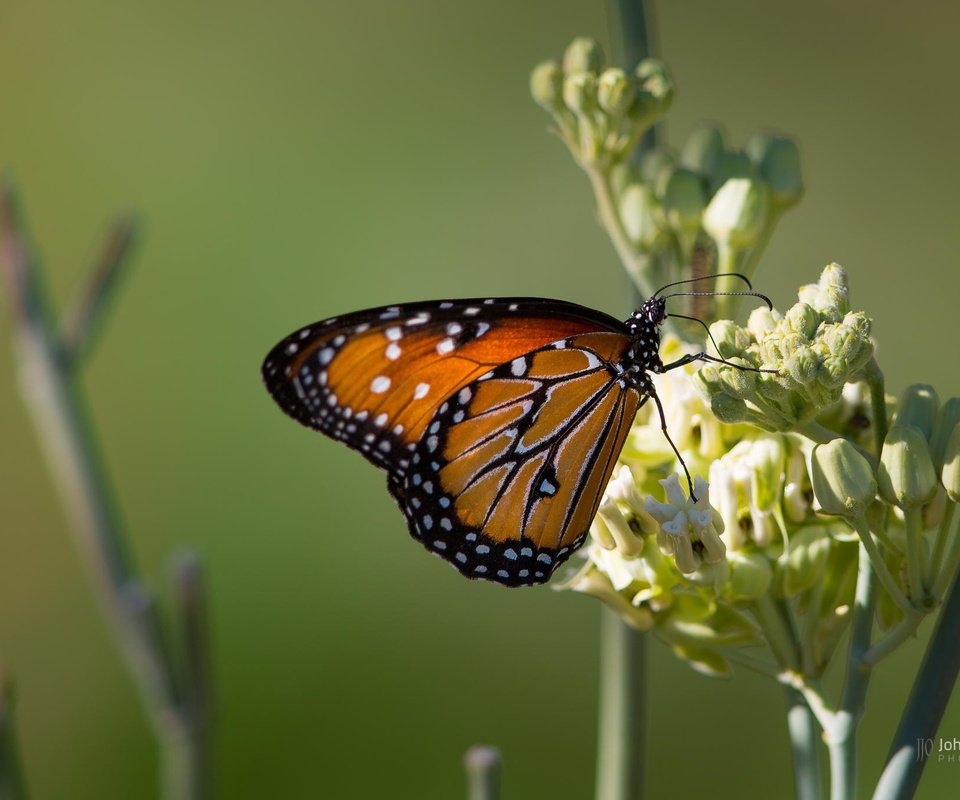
[680,362]
[666,434]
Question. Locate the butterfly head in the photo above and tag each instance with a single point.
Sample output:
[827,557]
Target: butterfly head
[650,315]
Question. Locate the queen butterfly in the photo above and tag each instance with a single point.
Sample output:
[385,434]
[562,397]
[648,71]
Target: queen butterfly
[498,421]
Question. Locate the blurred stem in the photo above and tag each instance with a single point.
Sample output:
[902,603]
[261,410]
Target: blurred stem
[621,745]
[778,632]
[928,700]
[54,399]
[913,526]
[842,738]
[859,524]
[949,532]
[804,741]
[12,784]
[483,765]
[637,265]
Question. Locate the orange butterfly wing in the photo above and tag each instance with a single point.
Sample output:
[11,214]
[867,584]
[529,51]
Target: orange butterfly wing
[509,473]
[506,398]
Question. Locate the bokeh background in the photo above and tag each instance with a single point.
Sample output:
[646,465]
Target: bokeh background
[294,160]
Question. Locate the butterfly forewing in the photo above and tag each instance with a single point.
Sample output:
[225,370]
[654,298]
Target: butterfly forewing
[508,474]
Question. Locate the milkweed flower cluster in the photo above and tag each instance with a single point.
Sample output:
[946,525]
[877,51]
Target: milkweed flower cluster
[786,489]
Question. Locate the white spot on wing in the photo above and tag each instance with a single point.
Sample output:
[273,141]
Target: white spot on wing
[380,384]
[421,391]
[393,351]
[445,346]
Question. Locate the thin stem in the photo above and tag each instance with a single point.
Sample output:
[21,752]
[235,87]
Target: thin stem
[621,745]
[913,525]
[636,264]
[928,700]
[804,741]
[906,628]
[879,565]
[949,529]
[818,433]
[54,399]
[878,403]
[12,784]
[483,765]
[842,739]
[935,567]
[778,632]
[82,323]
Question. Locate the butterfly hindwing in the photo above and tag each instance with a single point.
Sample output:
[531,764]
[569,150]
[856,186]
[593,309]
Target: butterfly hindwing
[374,379]
[508,474]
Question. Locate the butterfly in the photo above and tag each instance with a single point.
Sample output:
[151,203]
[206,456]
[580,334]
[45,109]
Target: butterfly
[497,421]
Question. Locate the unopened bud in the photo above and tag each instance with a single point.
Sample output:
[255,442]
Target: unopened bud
[583,55]
[546,85]
[777,160]
[950,474]
[702,150]
[737,213]
[615,93]
[947,420]
[843,481]
[906,475]
[918,407]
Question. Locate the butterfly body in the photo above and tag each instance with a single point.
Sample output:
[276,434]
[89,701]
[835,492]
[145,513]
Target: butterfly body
[498,421]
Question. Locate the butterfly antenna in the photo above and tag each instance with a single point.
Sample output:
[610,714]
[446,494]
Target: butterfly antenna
[705,327]
[705,277]
[722,294]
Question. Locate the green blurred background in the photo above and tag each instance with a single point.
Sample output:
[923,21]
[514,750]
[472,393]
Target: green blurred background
[295,160]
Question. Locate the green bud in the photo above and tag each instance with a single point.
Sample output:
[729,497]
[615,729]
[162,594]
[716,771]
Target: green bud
[947,420]
[918,407]
[737,213]
[682,198]
[801,566]
[750,575]
[777,160]
[641,217]
[843,481]
[950,474]
[653,162]
[906,473]
[583,55]
[731,339]
[702,150]
[580,92]
[802,320]
[615,93]
[803,364]
[655,82]
[761,321]
[546,85]
[832,292]
[731,164]
[727,408]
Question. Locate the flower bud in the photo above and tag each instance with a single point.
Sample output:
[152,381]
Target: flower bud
[681,194]
[802,320]
[641,218]
[731,164]
[736,214]
[653,162]
[628,543]
[950,475]
[583,55]
[947,420]
[655,82]
[615,93]
[702,150]
[906,475]
[580,92]
[918,407]
[843,481]
[777,160]
[546,86]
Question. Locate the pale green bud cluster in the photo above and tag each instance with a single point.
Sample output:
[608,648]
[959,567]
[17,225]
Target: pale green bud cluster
[600,111]
[817,347]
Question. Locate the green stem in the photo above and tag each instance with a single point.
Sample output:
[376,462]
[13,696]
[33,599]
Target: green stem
[637,265]
[891,641]
[842,739]
[949,531]
[778,632]
[818,433]
[621,745]
[913,525]
[804,741]
[483,765]
[939,548]
[879,565]
[12,784]
[54,399]
[928,700]
[878,403]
